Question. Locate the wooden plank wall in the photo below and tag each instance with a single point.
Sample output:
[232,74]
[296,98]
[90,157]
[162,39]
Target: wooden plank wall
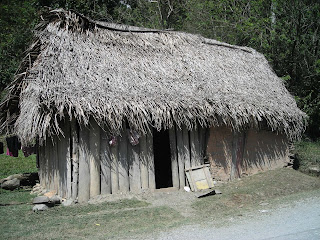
[85,165]
[189,148]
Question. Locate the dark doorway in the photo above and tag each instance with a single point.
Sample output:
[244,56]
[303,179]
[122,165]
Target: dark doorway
[162,159]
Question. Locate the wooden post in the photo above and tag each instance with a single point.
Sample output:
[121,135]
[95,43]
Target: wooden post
[55,160]
[45,165]
[94,143]
[105,163]
[114,156]
[195,148]
[134,168]
[150,160]
[68,158]
[174,157]
[202,143]
[59,163]
[181,160]
[64,160]
[84,170]
[50,167]
[144,162]
[233,167]
[186,147]
[75,159]
[123,166]
[41,164]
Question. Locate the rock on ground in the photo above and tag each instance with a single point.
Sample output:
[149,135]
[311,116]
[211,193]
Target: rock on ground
[11,184]
[40,207]
[55,199]
[41,199]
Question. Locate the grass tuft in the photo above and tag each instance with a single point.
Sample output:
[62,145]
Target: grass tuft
[307,154]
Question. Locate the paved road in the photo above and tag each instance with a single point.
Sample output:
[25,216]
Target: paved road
[298,221]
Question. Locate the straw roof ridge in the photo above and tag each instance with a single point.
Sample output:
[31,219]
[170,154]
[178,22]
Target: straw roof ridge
[80,68]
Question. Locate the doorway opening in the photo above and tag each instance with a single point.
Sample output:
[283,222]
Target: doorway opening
[162,159]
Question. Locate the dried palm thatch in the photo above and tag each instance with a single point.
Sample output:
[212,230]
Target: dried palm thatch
[81,68]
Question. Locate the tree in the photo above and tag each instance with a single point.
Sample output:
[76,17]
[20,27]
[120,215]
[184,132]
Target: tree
[15,35]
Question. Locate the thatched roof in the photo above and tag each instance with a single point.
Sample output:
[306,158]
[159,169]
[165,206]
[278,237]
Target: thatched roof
[151,78]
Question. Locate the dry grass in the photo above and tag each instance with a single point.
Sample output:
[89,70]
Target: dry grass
[79,68]
[244,195]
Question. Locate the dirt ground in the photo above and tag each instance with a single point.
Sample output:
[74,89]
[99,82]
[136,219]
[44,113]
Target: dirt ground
[181,201]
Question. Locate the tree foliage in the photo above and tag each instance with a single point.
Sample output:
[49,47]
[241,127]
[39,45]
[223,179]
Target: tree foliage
[286,32]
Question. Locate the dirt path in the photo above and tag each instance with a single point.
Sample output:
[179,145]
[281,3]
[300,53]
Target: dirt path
[178,200]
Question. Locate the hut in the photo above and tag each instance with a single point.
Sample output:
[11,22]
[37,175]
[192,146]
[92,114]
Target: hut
[117,109]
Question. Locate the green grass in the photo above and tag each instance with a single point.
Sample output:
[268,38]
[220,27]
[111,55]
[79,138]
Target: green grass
[120,219]
[307,154]
[12,165]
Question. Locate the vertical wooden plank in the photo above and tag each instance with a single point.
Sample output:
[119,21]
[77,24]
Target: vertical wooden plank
[202,143]
[64,158]
[195,148]
[144,163]
[45,164]
[55,161]
[239,152]
[114,156]
[84,170]
[47,168]
[181,161]
[134,168]
[233,167]
[123,166]
[59,164]
[150,160]
[68,158]
[186,147]
[174,157]
[50,165]
[62,166]
[105,159]
[94,146]
[75,159]
[41,164]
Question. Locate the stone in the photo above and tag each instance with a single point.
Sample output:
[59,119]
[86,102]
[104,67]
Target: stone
[11,184]
[26,179]
[67,202]
[217,191]
[314,170]
[41,199]
[40,207]
[55,199]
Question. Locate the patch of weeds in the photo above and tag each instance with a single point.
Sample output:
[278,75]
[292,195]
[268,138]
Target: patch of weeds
[307,154]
